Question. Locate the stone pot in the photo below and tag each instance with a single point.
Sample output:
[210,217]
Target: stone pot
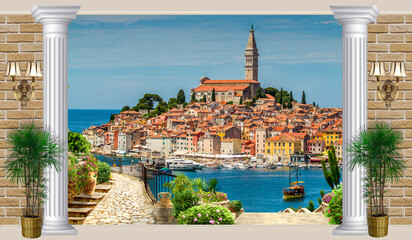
[163,210]
[91,184]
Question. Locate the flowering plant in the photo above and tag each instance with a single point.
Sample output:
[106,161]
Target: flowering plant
[235,206]
[212,196]
[327,197]
[83,170]
[206,214]
[334,210]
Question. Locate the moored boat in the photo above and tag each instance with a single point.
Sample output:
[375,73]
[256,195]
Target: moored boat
[183,165]
[295,189]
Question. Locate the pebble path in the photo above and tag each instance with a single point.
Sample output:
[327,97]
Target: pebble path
[125,203]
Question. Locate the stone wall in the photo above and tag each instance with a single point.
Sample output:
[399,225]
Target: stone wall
[20,40]
[390,39]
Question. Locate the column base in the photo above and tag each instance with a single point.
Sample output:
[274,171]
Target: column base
[351,230]
[61,229]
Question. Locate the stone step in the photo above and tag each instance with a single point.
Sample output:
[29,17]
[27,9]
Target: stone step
[89,198]
[102,188]
[79,212]
[76,220]
[80,204]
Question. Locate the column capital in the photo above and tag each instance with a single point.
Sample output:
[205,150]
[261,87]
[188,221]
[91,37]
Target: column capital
[54,15]
[355,14]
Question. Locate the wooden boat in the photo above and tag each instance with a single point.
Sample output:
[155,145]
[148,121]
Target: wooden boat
[295,189]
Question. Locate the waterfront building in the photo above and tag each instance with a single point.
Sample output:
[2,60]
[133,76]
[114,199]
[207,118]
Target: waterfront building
[124,144]
[248,147]
[338,149]
[260,138]
[211,143]
[231,146]
[160,144]
[331,135]
[315,146]
[234,90]
[280,147]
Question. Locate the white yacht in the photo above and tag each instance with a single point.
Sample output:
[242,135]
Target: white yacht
[183,165]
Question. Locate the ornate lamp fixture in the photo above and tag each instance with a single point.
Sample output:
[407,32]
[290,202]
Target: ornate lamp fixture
[23,90]
[388,90]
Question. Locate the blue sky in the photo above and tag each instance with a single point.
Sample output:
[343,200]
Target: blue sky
[115,60]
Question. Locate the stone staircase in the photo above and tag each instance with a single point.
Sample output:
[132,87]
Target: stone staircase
[82,205]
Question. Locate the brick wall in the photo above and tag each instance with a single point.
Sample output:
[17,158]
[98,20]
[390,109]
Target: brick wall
[20,40]
[390,39]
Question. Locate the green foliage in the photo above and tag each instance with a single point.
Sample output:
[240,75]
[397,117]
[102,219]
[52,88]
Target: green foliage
[204,98]
[125,108]
[83,169]
[181,98]
[314,104]
[241,101]
[259,93]
[73,160]
[172,103]
[212,185]
[334,210]
[103,172]
[212,196]
[193,98]
[183,200]
[112,117]
[185,105]
[311,206]
[281,96]
[180,183]
[230,102]
[291,96]
[289,104]
[147,102]
[235,206]
[213,95]
[206,214]
[303,98]
[320,201]
[376,149]
[322,193]
[332,176]
[271,91]
[32,151]
[77,143]
[295,209]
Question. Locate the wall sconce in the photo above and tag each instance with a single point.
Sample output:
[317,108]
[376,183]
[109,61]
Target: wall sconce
[388,91]
[23,91]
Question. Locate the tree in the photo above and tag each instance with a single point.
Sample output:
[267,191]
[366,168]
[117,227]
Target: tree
[181,98]
[125,108]
[241,101]
[291,96]
[259,93]
[314,104]
[289,104]
[281,96]
[77,143]
[284,105]
[112,117]
[172,103]
[271,91]
[332,176]
[147,102]
[213,95]
[193,98]
[303,98]
[204,98]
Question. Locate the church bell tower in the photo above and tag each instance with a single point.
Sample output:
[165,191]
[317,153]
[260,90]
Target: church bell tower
[251,57]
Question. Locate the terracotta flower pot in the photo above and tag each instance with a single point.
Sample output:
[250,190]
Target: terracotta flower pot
[91,184]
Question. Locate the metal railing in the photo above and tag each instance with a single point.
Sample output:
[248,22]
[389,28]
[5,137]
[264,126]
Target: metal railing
[154,181]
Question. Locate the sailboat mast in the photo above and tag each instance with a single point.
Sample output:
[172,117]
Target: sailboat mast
[297,174]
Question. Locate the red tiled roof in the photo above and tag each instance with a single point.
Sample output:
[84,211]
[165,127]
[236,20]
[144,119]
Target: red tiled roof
[220,88]
[229,81]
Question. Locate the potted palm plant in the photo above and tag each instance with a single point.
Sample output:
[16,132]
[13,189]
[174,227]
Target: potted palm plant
[375,150]
[32,151]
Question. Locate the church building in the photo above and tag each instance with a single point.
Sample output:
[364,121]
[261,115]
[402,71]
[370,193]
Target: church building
[234,90]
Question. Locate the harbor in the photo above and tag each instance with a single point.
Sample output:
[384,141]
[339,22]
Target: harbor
[259,189]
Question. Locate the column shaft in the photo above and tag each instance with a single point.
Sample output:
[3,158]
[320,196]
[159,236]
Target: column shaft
[55,20]
[354,21]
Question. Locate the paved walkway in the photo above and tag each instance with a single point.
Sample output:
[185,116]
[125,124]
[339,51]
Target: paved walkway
[125,203]
[281,218]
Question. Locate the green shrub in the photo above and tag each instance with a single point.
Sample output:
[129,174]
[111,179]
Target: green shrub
[334,210]
[212,196]
[180,183]
[206,214]
[311,206]
[183,200]
[77,143]
[73,160]
[72,171]
[235,206]
[103,172]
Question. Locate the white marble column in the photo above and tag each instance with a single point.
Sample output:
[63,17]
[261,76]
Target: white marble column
[354,21]
[55,21]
